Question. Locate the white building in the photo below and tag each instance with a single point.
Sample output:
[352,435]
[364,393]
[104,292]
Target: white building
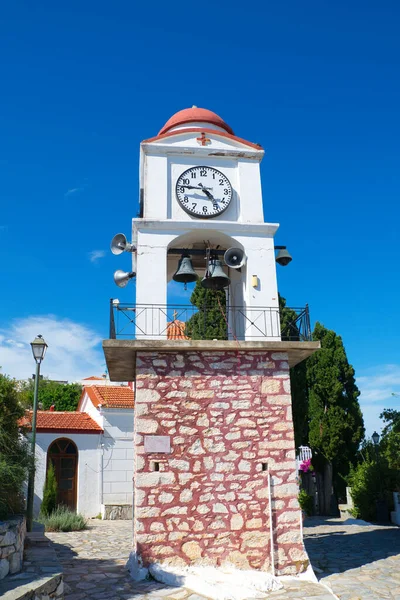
[91,450]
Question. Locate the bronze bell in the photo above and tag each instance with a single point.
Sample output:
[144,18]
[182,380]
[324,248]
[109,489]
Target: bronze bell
[185,272]
[283,257]
[215,278]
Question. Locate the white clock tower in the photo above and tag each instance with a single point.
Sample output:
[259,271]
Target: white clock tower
[200,187]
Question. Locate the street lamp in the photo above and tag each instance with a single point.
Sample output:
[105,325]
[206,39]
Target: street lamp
[375,438]
[39,348]
[381,504]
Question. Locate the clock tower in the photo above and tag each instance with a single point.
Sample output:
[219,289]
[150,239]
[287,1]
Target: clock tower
[214,457]
[200,187]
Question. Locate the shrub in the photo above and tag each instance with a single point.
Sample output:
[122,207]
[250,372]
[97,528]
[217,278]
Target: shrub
[49,502]
[306,502]
[15,457]
[14,464]
[63,519]
[370,480]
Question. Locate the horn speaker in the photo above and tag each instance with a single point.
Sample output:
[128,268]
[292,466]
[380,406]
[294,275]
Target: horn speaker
[235,258]
[121,278]
[120,244]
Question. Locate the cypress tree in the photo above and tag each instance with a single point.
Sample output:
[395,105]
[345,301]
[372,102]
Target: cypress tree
[49,502]
[298,376]
[336,425]
[209,322]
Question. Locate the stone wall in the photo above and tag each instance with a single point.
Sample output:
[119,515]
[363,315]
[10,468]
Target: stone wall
[116,512]
[41,577]
[229,420]
[12,537]
[46,588]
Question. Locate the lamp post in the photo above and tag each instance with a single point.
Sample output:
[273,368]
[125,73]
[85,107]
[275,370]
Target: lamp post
[39,348]
[381,505]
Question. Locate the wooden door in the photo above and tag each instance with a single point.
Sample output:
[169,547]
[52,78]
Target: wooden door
[64,455]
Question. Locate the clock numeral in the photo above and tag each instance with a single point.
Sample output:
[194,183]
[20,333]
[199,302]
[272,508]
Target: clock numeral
[203,172]
[186,182]
[221,182]
[213,175]
[215,206]
[185,199]
[223,201]
[226,192]
[193,174]
[205,209]
[194,204]
[182,190]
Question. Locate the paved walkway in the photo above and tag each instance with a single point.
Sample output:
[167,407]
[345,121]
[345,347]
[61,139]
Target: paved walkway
[94,568]
[356,562]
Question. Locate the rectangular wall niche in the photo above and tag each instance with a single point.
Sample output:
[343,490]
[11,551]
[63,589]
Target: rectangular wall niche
[157,444]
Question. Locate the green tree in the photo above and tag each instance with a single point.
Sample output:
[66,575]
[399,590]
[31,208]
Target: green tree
[298,376]
[64,396]
[209,322]
[336,425]
[390,441]
[14,450]
[49,502]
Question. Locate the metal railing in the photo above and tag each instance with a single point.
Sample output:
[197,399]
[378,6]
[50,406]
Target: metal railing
[155,321]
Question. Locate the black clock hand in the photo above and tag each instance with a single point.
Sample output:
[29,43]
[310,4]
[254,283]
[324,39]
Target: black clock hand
[194,187]
[207,193]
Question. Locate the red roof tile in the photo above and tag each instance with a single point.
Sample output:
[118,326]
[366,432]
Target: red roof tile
[93,377]
[176,330]
[64,421]
[110,396]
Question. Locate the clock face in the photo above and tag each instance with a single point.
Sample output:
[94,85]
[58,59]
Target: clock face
[203,192]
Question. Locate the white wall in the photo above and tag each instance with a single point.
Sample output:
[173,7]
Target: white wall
[164,163]
[88,407]
[117,456]
[88,496]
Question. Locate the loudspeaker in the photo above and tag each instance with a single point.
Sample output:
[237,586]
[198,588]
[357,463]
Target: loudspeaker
[235,258]
[121,278]
[120,244]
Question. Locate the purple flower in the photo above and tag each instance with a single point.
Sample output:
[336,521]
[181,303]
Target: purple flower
[306,466]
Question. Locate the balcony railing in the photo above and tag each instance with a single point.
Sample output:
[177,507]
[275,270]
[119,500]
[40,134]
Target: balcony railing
[174,322]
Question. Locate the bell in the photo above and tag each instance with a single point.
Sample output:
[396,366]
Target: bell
[283,258]
[185,272]
[215,278]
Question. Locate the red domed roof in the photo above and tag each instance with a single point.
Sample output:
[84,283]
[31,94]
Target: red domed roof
[194,114]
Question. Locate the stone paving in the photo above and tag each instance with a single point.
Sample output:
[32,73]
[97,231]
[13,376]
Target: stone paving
[94,568]
[356,562]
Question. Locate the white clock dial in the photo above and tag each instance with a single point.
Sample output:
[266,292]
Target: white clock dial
[203,192]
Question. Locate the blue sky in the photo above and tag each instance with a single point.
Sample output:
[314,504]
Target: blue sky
[317,84]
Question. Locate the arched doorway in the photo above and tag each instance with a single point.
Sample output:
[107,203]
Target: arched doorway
[63,453]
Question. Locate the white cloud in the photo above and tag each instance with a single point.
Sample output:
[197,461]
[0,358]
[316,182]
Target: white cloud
[73,191]
[74,350]
[377,386]
[95,255]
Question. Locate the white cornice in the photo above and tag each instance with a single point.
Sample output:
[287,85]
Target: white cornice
[228,227]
